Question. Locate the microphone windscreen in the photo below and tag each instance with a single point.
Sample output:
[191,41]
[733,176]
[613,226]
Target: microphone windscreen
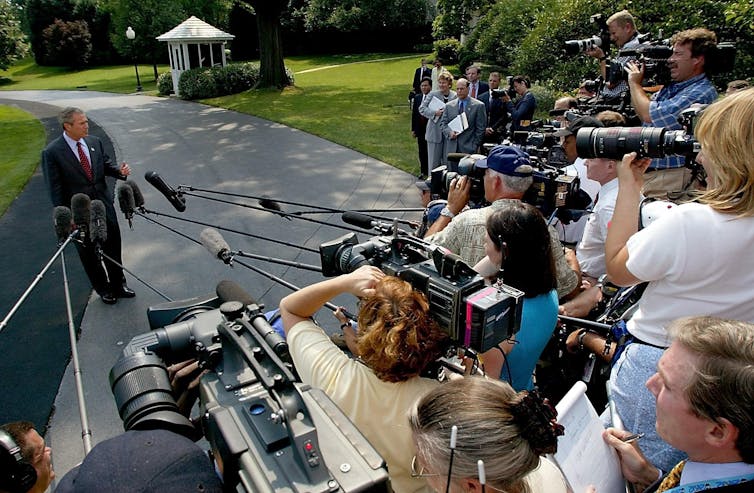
[62,218]
[125,198]
[231,291]
[214,242]
[270,204]
[357,219]
[98,227]
[138,196]
[81,207]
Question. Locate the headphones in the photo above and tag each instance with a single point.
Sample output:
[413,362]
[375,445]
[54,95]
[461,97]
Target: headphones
[16,475]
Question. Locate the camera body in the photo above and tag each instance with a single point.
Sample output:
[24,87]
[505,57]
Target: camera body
[472,314]
[599,40]
[267,431]
[460,165]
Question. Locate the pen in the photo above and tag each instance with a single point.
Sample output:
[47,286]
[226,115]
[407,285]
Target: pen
[632,438]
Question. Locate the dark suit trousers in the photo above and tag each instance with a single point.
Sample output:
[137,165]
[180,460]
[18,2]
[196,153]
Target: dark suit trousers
[423,157]
[93,266]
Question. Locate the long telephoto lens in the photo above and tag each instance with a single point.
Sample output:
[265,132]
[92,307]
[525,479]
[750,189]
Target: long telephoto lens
[651,142]
[576,46]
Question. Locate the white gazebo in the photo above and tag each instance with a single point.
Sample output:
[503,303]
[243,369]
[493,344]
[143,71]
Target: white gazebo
[194,43]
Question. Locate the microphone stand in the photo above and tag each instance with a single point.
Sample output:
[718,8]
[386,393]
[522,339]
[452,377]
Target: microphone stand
[36,280]
[86,432]
[145,283]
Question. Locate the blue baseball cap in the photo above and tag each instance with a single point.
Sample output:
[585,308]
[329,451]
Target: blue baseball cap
[505,159]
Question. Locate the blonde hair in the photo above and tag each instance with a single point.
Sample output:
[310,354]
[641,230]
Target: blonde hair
[726,134]
[446,75]
[622,18]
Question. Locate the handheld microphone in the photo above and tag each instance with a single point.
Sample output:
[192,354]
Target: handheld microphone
[366,222]
[61,218]
[231,291]
[173,196]
[81,206]
[126,201]
[138,196]
[217,246]
[98,224]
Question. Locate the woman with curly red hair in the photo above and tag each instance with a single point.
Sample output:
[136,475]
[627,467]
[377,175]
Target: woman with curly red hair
[396,340]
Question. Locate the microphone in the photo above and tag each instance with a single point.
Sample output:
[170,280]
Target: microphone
[61,218]
[231,291]
[272,206]
[98,224]
[366,222]
[138,196]
[81,206]
[217,246]
[126,201]
[173,196]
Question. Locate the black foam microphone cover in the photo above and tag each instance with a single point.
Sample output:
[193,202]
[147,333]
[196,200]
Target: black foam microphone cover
[230,291]
[125,199]
[156,181]
[138,196]
[358,219]
[81,207]
[98,225]
[61,218]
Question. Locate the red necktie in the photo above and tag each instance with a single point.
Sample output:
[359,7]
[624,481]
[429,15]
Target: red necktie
[84,161]
[473,90]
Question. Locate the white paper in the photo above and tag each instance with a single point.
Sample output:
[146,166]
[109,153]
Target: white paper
[583,455]
[435,104]
[459,123]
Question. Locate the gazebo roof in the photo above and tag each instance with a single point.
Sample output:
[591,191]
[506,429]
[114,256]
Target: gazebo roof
[195,30]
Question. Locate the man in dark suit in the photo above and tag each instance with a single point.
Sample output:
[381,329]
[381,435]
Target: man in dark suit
[420,74]
[476,86]
[75,163]
[419,124]
[497,116]
[470,139]
[704,392]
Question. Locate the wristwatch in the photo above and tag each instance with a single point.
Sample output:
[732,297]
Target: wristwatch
[446,212]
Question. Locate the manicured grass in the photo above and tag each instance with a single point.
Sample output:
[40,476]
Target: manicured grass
[22,137]
[27,75]
[363,106]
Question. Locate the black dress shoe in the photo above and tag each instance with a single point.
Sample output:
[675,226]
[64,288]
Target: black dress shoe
[125,292]
[108,298]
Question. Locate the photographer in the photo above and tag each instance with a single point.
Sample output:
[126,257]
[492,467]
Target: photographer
[697,257]
[689,85]
[396,340]
[518,252]
[508,175]
[522,112]
[623,33]
[509,431]
[34,452]
[497,116]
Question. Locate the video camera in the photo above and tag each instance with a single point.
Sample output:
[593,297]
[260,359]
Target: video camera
[599,40]
[460,165]
[472,314]
[267,431]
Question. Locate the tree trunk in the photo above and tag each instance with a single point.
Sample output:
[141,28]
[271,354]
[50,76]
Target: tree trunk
[271,66]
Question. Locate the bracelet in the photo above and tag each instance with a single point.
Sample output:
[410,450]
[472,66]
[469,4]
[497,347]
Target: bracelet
[580,338]
[447,213]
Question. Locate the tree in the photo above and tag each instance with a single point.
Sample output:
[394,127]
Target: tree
[363,15]
[271,65]
[39,15]
[68,43]
[12,40]
[149,19]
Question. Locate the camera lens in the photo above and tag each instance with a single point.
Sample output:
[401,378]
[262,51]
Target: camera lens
[614,142]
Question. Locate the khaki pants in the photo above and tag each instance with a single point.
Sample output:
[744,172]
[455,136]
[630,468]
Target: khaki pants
[658,183]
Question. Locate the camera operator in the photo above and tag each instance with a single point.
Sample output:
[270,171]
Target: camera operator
[522,111]
[696,257]
[396,340]
[34,452]
[689,85]
[497,116]
[508,175]
[509,431]
[623,33]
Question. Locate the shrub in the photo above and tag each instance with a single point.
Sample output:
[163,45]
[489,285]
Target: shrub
[165,84]
[67,44]
[197,83]
[447,50]
[235,78]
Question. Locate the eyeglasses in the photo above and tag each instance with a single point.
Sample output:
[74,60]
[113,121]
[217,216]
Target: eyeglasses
[420,473]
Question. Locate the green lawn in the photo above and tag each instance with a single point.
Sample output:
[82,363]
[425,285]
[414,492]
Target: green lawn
[22,137]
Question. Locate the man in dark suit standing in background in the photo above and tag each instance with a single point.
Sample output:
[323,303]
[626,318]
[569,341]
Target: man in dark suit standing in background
[419,124]
[420,74]
[75,163]
[476,86]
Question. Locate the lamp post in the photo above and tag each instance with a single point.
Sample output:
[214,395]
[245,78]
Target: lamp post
[131,34]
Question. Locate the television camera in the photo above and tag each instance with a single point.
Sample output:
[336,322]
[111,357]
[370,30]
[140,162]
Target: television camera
[472,314]
[268,431]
